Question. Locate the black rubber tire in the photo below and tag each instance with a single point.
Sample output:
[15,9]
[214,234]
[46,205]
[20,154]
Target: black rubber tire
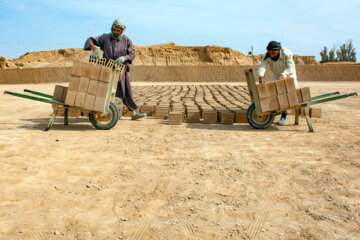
[113,118]
[258,122]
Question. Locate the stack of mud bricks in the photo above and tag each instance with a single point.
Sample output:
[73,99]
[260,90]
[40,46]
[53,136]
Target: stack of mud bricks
[277,95]
[176,116]
[60,93]
[281,95]
[88,86]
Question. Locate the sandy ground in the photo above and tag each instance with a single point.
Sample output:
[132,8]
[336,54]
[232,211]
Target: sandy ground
[149,180]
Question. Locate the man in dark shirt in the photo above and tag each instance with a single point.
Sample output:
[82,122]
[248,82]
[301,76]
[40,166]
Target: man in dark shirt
[118,47]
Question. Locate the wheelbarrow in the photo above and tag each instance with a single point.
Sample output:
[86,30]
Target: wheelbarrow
[103,120]
[262,120]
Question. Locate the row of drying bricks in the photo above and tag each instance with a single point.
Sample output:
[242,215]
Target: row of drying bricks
[212,103]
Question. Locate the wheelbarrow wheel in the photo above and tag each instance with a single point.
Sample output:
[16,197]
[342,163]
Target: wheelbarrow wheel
[105,122]
[258,122]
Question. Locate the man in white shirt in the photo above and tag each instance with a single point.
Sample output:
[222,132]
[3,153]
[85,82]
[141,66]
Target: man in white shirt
[281,63]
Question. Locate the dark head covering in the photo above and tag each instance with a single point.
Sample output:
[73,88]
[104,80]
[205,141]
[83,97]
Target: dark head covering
[273,45]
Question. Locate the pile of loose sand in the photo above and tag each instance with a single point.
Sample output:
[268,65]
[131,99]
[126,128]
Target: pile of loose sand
[160,55]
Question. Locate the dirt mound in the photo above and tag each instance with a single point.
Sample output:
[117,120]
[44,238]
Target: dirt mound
[170,54]
[156,55]
[4,63]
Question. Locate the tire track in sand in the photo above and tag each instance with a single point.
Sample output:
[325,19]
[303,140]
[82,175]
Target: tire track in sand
[189,230]
[349,229]
[264,211]
[152,210]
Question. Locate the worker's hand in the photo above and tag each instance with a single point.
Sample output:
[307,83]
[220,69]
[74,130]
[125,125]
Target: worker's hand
[95,54]
[261,80]
[120,60]
[281,77]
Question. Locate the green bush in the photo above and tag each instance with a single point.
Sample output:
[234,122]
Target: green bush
[345,53]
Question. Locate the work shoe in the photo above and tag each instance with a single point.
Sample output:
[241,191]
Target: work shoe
[282,121]
[138,115]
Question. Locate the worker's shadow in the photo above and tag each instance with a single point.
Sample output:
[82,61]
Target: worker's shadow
[74,124]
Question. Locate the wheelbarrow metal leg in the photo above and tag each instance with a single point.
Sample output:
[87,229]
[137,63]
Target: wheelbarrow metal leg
[297,114]
[66,117]
[307,116]
[52,118]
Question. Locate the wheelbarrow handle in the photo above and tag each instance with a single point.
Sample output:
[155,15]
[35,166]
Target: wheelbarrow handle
[353,94]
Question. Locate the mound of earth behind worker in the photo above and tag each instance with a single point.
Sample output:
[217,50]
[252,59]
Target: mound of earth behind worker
[156,55]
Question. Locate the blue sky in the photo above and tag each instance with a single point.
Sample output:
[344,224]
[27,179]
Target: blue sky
[304,27]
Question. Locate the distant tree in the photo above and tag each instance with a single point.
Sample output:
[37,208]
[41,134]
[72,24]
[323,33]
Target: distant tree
[324,55]
[332,55]
[346,52]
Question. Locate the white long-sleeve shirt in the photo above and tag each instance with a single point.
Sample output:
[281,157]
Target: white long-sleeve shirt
[284,66]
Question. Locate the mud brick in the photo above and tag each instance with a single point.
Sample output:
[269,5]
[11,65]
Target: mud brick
[86,69]
[83,85]
[96,72]
[193,116]
[210,116]
[269,104]
[266,89]
[161,112]
[191,109]
[105,74]
[59,93]
[292,98]
[70,97]
[205,108]
[280,87]
[305,94]
[80,99]
[315,112]
[89,102]
[227,118]
[149,110]
[102,89]
[99,104]
[64,94]
[220,111]
[283,101]
[240,116]
[175,118]
[290,84]
[76,69]
[93,86]
[298,95]
[74,83]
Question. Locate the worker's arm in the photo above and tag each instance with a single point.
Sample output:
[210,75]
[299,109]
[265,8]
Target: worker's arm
[130,52]
[92,42]
[262,70]
[289,64]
